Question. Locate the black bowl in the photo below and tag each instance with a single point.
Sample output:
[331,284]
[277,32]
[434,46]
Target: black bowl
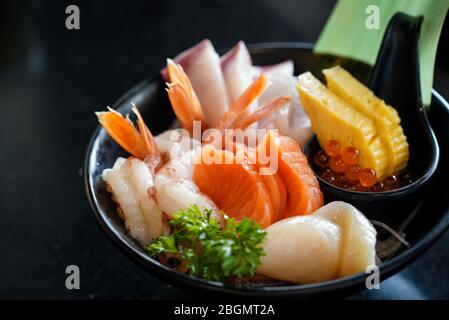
[430,222]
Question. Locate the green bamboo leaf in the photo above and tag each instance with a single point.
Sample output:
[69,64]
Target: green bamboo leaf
[346,32]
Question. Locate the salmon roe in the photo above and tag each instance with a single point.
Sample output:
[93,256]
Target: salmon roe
[337,165]
[391,183]
[321,159]
[368,177]
[351,155]
[328,175]
[342,169]
[352,173]
[332,148]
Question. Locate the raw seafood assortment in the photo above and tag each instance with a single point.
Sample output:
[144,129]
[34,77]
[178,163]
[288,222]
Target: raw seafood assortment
[220,208]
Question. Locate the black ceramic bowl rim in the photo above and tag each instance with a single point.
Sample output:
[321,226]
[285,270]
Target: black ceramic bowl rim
[415,186]
[387,268]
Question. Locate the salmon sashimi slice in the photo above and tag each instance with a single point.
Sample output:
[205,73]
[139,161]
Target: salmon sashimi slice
[303,192]
[235,187]
[276,188]
[278,193]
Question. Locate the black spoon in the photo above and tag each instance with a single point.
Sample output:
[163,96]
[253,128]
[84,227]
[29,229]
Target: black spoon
[395,78]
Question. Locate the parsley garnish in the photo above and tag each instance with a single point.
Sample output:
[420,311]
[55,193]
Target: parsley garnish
[212,252]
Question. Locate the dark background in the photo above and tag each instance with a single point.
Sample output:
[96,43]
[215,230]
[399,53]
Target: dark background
[53,79]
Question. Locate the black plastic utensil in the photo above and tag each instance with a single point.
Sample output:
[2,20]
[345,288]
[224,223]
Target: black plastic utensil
[395,78]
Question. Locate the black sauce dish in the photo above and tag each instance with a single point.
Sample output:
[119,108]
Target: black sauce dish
[390,207]
[429,223]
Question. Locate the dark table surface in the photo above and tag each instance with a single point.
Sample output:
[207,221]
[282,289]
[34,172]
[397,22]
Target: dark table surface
[53,79]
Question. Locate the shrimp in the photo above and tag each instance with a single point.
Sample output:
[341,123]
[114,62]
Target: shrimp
[176,190]
[131,180]
[155,180]
[336,241]
[202,64]
[188,108]
[185,102]
[139,142]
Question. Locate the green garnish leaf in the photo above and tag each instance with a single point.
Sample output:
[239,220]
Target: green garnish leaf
[163,244]
[212,252]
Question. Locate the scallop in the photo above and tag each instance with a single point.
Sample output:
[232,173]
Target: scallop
[336,241]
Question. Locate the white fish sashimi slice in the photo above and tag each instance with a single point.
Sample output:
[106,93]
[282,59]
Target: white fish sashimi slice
[285,68]
[237,67]
[291,120]
[202,65]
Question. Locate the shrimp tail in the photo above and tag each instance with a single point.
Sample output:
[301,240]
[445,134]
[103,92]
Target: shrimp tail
[139,142]
[184,101]
[240,106]
[261,112]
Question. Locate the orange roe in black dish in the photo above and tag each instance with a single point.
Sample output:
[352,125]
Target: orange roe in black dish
[341,169]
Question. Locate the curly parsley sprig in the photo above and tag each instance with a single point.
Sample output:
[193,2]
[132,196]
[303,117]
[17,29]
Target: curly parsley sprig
[212,252]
